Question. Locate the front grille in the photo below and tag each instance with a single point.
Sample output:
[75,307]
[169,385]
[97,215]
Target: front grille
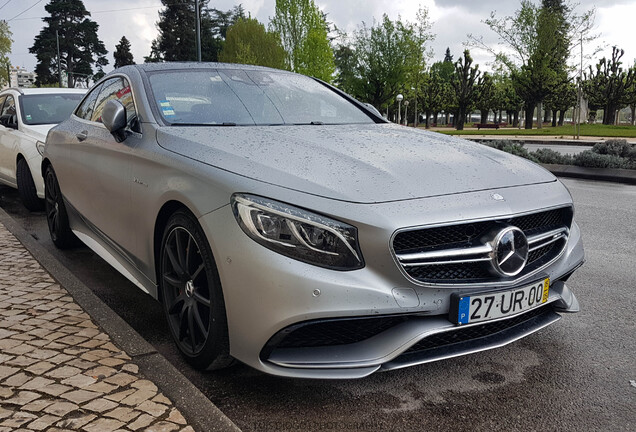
[472,235]
[463,334]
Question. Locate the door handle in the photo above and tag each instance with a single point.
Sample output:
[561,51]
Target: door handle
[82,135]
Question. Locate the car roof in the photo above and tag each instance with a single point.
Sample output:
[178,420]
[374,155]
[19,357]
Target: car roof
[48,90]
[165,66]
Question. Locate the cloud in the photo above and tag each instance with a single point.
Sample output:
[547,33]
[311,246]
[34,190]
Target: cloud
[453,20]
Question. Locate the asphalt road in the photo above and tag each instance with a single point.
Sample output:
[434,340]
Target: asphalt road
[572,376]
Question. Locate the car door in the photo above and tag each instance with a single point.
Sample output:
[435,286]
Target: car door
[7,141]
[97,180]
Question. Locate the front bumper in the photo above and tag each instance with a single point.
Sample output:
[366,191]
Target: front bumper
[267,293]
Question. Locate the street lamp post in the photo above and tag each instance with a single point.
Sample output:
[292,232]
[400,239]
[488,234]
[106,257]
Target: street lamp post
[198,29]
[406,118]
[399,99]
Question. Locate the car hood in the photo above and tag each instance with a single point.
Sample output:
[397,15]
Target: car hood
[37,131]
[355,163]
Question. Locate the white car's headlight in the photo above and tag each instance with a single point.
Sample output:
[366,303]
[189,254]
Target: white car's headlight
[298,233]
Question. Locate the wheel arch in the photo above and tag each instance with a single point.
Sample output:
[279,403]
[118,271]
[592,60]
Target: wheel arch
[167,210]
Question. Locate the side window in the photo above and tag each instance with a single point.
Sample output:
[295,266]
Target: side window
[115,89]
[9,106]
[85,110]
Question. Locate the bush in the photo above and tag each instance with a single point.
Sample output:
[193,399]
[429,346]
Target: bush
[610,154]
[591,159]
[548,156]
[512,148]
[614,147]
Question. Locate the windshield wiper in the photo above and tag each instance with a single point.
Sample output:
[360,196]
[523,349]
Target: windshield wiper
[204,124]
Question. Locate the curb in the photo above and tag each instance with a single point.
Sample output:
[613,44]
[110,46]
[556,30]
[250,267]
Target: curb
[200,412]
[603,174]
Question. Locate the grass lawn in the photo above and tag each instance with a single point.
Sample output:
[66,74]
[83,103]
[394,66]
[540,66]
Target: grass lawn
[598,130]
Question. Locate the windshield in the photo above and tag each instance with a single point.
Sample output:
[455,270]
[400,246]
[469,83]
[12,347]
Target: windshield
[238,97]
[51,108]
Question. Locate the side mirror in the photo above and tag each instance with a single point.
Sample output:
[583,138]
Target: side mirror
[114,118]
[13,122]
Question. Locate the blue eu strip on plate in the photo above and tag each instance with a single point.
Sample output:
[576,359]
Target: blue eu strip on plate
[463,310]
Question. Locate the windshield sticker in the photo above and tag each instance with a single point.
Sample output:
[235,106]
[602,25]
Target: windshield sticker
[28,117]
[166,108]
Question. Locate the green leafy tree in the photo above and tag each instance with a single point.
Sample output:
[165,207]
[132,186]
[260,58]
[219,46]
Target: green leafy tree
[607,85]
[463,83]
[434,95]
[538,40]
[5,49]
[248,42]
[445,70]
[80,48]
[346,62]
[561,99]
[383,64]
[485,96]
[630,97]
[122,53]
[303,31]
[421,37]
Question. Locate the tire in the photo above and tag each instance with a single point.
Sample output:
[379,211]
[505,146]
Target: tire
[26,187]
[192,295]
[56,216]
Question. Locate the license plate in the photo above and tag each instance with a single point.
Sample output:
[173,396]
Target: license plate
[489,306]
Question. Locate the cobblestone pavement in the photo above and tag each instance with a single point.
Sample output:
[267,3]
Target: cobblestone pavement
[58,371]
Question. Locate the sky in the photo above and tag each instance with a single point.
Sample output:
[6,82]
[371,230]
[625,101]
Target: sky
[452,21]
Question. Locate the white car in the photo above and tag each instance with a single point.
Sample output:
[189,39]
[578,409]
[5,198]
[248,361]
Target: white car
[26,115]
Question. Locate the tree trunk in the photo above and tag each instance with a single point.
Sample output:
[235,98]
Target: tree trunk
[460,119]
[554,118]
[447,118]
[515,119]
[416,114]
[428,119]
[609,115]
[633,108]
[561,117]
[529,116]
[547,115]
[484,116]
[539,115]
[435,115]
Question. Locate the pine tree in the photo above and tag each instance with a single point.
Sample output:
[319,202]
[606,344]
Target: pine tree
[177,34]
[122,53]
[80,48]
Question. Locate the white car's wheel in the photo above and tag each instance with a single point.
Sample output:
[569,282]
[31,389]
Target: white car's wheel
[26,187]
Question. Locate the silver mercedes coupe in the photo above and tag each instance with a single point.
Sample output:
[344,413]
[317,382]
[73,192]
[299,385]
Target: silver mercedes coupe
[286,225]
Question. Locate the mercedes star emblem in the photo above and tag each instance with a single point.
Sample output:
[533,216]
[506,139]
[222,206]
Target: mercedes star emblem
[510,251]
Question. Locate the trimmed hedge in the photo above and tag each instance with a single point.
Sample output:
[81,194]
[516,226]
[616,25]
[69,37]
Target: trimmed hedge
[610,154]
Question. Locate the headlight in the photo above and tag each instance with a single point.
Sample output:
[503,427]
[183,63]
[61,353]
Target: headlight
[298,233]
[40,146]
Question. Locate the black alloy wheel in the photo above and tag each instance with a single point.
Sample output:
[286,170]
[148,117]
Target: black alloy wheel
[192,295]
[56,215]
